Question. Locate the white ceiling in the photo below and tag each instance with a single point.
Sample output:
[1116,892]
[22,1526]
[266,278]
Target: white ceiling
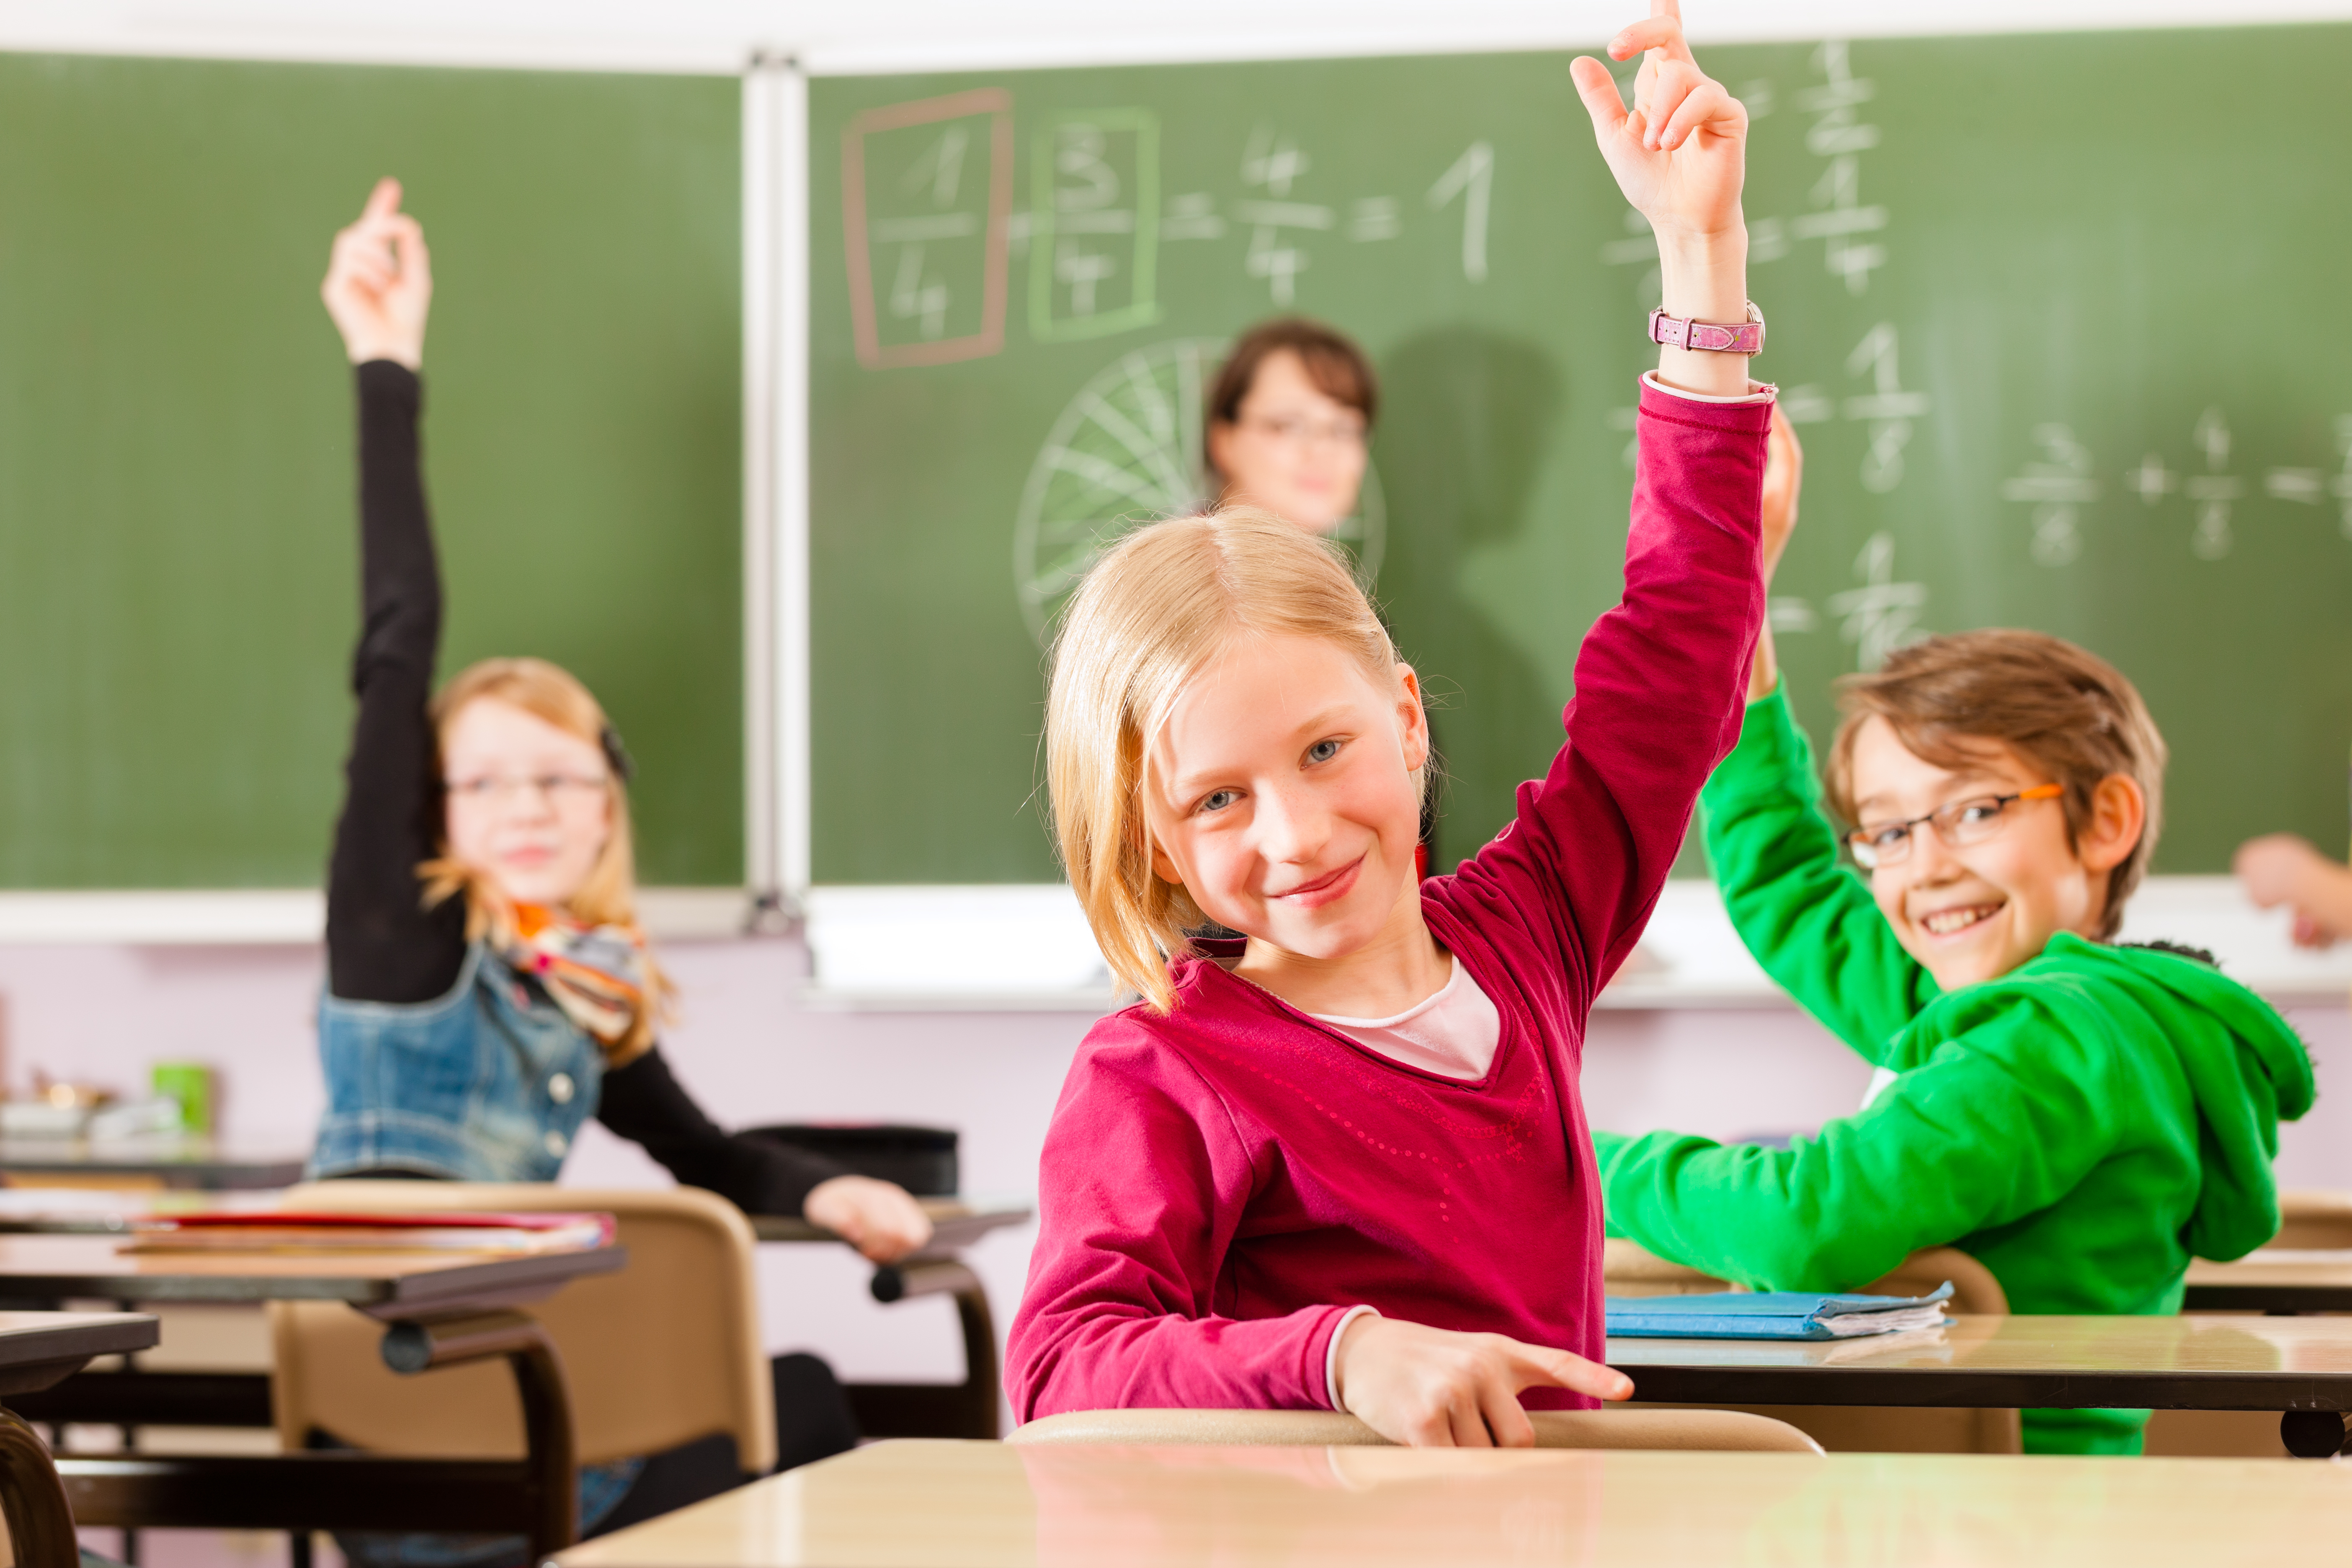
[870,35]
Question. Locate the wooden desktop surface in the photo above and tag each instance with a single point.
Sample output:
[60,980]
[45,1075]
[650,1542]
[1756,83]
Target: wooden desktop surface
[2274,1279]
[927,1504]
[60,1267]
[182,1161]
[2192,1362]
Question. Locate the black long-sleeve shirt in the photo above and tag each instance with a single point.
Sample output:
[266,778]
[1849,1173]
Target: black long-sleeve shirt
[382,945]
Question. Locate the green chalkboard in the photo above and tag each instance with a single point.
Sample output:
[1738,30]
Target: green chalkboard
[178,587]
[2049,311]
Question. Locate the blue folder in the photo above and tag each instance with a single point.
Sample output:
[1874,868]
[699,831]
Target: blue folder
[1770,1315]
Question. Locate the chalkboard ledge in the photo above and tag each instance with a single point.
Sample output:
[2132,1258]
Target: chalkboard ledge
[1025,948]
[290,916]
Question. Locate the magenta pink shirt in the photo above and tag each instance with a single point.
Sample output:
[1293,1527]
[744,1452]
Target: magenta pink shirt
[1219,1185]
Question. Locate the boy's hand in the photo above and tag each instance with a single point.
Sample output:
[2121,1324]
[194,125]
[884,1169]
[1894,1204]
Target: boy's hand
[1433,1388]
[1784,476]
[379,286]
[2283,868]
[881,1219]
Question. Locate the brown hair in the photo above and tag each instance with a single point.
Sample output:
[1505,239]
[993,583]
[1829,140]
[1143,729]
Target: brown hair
[1161,605]
[609,896]
[1334,363]
[2065,709]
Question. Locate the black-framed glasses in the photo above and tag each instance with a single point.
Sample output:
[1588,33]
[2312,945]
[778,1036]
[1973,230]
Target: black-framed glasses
[1959,825]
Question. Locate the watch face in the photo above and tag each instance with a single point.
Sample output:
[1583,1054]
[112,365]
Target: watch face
[1127,451]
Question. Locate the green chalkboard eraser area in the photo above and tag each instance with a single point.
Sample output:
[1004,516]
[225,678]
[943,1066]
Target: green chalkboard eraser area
[177,579]
[2024,297]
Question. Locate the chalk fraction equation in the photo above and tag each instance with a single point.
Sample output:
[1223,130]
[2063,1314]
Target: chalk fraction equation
[927,204]
[932,231]
[2206,491]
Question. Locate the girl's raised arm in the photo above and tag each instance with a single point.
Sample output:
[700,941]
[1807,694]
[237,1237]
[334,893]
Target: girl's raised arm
[1660,679]
[1680,155]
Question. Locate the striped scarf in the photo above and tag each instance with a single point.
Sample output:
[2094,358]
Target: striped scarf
[595,973]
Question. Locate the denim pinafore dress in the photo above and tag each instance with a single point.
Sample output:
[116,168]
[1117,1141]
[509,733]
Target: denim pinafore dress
[488,1083]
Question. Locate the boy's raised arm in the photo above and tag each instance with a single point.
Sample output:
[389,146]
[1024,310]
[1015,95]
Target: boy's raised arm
[1807,921]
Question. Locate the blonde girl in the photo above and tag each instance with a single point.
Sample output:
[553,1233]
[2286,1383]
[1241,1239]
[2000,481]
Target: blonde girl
[488,989]
[1340,1161]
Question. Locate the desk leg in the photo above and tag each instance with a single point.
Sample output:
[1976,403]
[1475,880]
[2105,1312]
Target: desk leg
[33,1499]
[413,1346]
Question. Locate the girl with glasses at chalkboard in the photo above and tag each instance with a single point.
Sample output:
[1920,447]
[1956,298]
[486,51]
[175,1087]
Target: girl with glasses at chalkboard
[1340,1161]
[488,988]
[1289,432]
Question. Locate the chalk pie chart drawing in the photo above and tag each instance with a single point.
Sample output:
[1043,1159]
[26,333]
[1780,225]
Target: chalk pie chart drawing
[1127,451]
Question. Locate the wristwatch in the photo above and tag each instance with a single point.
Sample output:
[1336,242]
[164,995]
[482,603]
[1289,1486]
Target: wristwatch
[1714,337]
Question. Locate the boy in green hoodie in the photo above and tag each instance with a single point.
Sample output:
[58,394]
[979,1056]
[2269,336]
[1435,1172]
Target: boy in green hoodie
[2082,1116]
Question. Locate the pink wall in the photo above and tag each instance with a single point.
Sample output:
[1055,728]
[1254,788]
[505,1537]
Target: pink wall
[752,1054]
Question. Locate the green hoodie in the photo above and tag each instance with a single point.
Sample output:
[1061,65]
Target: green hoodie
[2082,1125]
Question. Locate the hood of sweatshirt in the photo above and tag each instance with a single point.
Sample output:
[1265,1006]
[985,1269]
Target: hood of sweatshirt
[2245,1065]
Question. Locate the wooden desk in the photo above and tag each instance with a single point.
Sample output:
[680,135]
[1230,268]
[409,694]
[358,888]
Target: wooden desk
[392,1287]
[966,1409]
[979,1505]
[440,1310]
[2273,1279]
[2301,1367]
[179,1162]
[37,1350]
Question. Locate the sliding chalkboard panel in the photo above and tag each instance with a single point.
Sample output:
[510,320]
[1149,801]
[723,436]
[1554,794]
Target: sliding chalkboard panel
[2051,312]
[178,593]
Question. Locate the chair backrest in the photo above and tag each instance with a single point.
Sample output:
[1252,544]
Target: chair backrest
[1974,1289]
[1629,1269]
[1617,1427]
[660,1354]
[2319,1221]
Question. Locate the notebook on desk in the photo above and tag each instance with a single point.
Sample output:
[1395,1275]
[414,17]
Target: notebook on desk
[374,1233]
[1773,1315]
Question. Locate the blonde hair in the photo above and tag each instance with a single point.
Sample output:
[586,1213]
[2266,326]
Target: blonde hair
[609,895]
[1157,609]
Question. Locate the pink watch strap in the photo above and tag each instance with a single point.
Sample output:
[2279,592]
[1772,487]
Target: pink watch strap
[1713,337]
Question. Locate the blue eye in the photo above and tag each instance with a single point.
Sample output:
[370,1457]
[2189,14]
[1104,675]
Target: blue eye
[1322,750]
[1217,800]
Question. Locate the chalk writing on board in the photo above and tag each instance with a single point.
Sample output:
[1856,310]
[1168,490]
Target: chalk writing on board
[1127,451]
[1839,136]
[1192,216]
[1883,615]
[2341,486]
[2057,485]
[1275,165]
[2150,480]
[1472,178]
[2310,486]
[1887,409]
[1094,224]
[927,199]
[2215,490]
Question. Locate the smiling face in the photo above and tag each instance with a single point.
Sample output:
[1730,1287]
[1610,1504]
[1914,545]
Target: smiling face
[530,805]
[1975,913]
[1281,794]
[1292,448]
